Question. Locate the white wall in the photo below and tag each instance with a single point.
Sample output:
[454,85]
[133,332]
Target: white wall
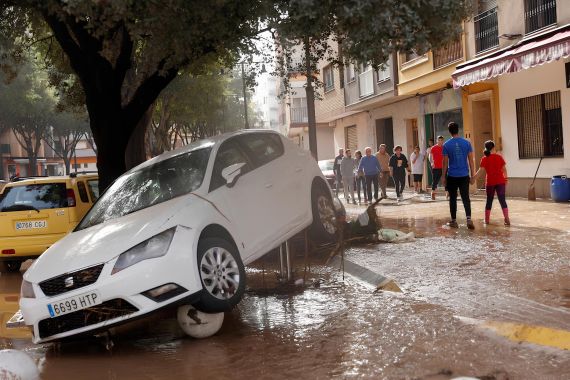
[538,80]
[399,112]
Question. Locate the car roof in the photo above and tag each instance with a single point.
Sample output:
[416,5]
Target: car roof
[207,142]
[23,181]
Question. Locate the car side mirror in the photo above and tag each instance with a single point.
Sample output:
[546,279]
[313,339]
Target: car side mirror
[231,173]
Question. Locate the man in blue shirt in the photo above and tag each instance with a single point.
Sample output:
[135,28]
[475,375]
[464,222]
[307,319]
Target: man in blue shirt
[371,167]
[458,168]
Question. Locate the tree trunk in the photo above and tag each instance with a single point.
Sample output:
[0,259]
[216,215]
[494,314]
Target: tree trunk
[310,91]
[136,148]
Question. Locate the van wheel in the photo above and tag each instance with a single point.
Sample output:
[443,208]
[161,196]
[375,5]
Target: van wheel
[324,227]
[12,266]
[222,274]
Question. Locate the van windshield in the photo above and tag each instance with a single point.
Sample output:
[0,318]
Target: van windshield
[33,197]
[149,186]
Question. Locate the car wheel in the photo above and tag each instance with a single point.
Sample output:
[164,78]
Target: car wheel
[12,266]
[324,227]
[222,274]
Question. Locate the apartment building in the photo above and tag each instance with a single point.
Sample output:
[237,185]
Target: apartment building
[515,86]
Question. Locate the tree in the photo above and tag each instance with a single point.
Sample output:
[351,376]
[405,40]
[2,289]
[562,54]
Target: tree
[67,129]
[366,31]
[125,53]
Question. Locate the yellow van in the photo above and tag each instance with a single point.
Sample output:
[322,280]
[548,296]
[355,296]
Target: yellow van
[36,212]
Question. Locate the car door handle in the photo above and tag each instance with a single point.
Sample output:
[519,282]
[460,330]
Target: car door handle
[297,170]
[268,185]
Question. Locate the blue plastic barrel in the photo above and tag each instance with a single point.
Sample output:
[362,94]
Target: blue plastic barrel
[560,188]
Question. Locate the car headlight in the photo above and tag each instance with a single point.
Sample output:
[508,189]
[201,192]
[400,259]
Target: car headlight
[27,290]
[156,246]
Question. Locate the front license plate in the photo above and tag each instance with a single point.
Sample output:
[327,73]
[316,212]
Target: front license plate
[71,304]
[31,225]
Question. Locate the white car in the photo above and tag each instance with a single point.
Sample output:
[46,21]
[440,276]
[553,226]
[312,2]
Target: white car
[175,230]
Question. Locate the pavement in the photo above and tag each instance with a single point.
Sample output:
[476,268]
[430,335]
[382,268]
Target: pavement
[493,303]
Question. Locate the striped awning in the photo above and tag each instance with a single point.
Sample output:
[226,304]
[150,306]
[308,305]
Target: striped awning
[523,55]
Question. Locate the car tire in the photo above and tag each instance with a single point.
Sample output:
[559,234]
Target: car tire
[11,266]
[324,227]
[222,275]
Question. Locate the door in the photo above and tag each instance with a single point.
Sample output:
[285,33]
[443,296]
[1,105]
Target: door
[351,138]
[385,134]
[482,131]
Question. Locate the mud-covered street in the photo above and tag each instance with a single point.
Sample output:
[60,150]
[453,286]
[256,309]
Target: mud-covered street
[493,303]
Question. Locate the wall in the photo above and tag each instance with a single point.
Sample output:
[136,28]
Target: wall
[538,80]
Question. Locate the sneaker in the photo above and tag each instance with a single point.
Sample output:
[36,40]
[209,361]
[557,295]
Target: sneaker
[470,224]
[452,224]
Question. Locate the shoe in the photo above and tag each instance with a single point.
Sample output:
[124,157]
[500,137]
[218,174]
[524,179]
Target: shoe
[507,222]
[433,196]
[353,202]
[470,224]
[452,224]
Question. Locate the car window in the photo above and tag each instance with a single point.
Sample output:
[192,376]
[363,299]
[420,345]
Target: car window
[34,197]
[82,192]
[262,147]
[149,186]
[93,186]
[326,165]
[229,153]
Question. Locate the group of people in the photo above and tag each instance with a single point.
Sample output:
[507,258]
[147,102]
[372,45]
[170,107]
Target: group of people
[451,162]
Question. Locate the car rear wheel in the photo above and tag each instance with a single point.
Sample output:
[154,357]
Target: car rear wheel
[222,274]
[11,266]
[324,227]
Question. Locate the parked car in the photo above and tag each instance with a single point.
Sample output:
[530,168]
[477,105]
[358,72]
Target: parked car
[177,229]
[37,212]
[326,167]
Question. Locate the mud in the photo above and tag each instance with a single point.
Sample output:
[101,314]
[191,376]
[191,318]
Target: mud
[330,328]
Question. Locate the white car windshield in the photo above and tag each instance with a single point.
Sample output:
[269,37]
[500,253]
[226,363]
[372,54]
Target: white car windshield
[149,186]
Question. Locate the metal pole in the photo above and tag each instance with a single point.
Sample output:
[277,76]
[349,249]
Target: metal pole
[244,96]
[289,275]
[281,264]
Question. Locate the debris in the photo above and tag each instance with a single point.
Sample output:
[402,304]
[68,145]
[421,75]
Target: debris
[16,364]
[388,286]
[299,282]
[198,324]
[366,275]
[395,236]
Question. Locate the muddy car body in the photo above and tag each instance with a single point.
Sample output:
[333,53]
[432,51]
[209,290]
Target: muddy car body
[177,229]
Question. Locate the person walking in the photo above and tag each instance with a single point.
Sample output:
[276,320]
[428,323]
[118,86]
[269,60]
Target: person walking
[398,166]
[436,160]
[418,159]
[457,170]
[384,159]
[371,167]
[360,179]
[347,166]
[336,170]
[495,169]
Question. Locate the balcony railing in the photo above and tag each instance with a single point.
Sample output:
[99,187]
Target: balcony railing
[539,14]
[449,53]
[486,30]
[299,115]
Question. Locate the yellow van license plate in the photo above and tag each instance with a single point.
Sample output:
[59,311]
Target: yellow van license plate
[31,225]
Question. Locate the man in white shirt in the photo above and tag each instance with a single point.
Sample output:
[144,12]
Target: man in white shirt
[418,159]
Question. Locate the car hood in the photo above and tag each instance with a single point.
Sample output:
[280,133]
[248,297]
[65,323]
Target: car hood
[105,241]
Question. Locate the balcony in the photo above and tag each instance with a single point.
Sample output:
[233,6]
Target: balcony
[539,14]
[299,115]
[447,54]
[486,30]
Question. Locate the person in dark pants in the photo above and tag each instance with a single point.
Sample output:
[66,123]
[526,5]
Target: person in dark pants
[360,179]
[457,171]
[336,170]
[398,166]
[436,160]
[371,168]
[494,166]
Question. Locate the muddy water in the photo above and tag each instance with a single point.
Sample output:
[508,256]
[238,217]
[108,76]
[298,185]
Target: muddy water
[341,329]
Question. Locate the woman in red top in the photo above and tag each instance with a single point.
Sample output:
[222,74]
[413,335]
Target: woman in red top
[495,181]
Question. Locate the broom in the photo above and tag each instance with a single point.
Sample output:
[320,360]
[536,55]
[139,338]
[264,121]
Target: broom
[531,192]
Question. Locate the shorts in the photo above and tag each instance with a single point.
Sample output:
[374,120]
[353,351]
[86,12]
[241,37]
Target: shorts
[418,177]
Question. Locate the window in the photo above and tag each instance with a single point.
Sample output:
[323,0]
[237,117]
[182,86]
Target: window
[5,148]
[384,73]
[230,153]
[93,186]
[366,81]
[486,26]
[539,126]
[262,147]
[34,197]
[299,110]
[85,166]
[350,73]
[410,55]
[328,78]
[82,192]
[451,52]
[539,14]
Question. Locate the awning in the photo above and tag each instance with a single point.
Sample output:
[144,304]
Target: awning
[524,55]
